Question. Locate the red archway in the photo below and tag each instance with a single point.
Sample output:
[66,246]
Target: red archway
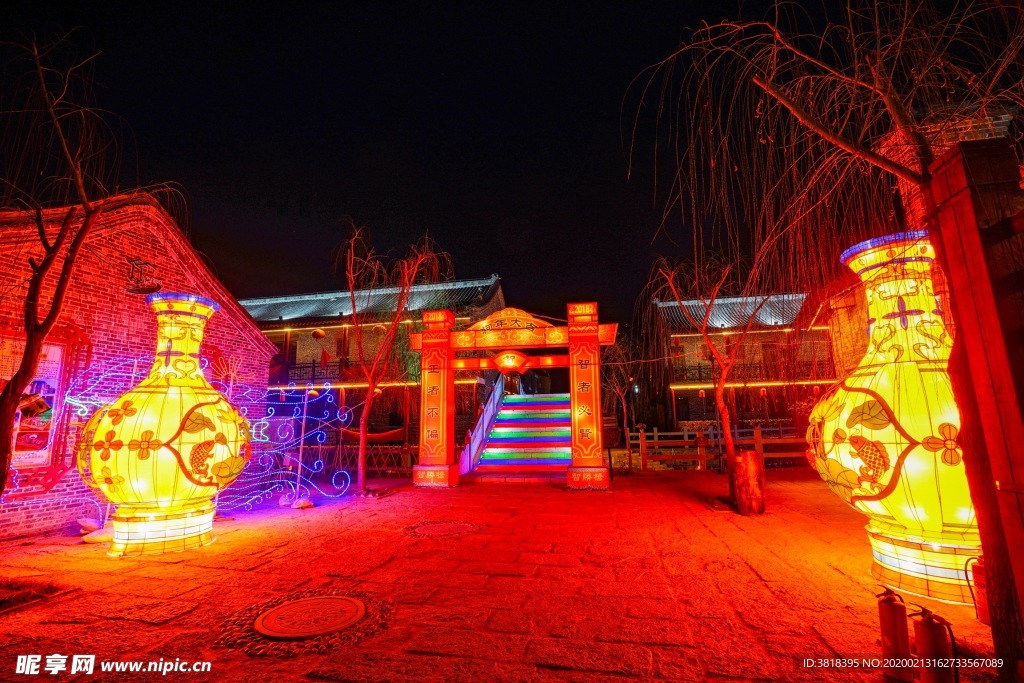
[505,331]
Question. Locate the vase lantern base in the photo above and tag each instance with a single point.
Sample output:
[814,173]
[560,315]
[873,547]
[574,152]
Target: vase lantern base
[149,532]
[931,569]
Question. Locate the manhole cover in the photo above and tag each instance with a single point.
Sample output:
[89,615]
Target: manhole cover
[441,529]
[310,617]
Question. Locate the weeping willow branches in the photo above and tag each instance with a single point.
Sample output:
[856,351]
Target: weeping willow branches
[800,132]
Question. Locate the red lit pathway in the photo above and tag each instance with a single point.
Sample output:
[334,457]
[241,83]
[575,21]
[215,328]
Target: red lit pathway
[647,582]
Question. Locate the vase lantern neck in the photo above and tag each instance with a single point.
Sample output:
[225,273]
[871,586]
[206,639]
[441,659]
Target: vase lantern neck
[181,321]
[905,319]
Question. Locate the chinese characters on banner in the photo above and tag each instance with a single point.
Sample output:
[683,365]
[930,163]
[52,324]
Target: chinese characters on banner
[587,469]
[437,404]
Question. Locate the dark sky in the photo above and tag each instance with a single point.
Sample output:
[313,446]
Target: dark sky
[497,127]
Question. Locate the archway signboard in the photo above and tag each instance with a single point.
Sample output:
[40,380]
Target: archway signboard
[506,331]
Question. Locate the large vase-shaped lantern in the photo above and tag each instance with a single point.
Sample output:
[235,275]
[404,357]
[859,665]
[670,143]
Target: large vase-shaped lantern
[885,438]
[164,449]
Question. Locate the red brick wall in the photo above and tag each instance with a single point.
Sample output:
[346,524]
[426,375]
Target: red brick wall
[118,323]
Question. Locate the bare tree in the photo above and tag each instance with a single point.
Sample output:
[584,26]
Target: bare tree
[54,155]
[697,288]
[376,332]
[827,131]
[621,365]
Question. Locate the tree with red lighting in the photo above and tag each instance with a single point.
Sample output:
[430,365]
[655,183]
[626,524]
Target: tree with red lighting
[377,333]
[697,287]
[621,364]
[55,155]
[825,132]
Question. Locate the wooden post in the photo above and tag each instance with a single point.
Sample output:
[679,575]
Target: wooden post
[629,446]
[759,442]
[643,450]
[702,451]
[406,409]
[976,188]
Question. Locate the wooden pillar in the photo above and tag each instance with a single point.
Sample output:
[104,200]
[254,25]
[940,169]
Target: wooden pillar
[976,189]
[406,409]
[675,416]
[643,449]
[437,404]
[588,469]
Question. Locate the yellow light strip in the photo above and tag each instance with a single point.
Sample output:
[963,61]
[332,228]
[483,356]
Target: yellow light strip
[357,385]
[768,383]
[337,327]
[727,332]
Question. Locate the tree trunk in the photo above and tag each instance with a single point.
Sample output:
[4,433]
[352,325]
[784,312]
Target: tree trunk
[364,432]
[749,475]
[625,431]
[725,419]
[10,397]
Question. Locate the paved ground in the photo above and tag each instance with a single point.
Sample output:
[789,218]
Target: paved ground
[648,582]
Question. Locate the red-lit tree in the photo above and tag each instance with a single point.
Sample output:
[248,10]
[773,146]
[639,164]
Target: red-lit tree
[697,287]
[621,365]
[376,331]
[828,130]
[54,154]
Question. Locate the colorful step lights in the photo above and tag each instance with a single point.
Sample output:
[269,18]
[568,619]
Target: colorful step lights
[531,433]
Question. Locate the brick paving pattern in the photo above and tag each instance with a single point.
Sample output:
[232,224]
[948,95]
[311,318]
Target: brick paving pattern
[646,582]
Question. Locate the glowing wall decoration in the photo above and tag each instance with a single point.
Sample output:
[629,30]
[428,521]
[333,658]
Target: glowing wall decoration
[164,449]
[884,439]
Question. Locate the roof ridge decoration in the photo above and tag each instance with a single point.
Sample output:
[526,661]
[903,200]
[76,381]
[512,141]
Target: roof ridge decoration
[510,318]
[727,312]
[457,294]
[346,294]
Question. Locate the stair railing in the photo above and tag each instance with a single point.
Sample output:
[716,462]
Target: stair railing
[482,430]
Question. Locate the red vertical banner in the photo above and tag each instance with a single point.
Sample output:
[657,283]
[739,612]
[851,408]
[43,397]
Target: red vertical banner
[588,470]
[437,405]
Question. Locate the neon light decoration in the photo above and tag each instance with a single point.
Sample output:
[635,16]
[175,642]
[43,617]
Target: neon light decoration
[884,439]
[164,449]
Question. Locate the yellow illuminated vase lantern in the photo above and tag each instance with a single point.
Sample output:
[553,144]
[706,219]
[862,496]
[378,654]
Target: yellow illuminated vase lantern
[163,450]
[884,439]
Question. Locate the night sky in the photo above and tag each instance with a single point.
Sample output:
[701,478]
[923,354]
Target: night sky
[502,129]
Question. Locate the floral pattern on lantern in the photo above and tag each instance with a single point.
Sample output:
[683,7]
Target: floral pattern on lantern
[885,438]
[163,450]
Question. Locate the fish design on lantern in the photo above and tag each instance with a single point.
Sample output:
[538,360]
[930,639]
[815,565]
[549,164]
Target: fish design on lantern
[884,438]
[163,450]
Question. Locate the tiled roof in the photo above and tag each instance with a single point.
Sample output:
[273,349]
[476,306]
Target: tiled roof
[772,310]
[321,305]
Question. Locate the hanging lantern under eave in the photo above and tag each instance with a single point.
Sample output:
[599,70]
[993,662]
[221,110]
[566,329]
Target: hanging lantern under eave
[884,439]
[163,450]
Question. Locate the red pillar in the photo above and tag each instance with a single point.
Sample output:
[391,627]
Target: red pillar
[588,469]
[437,405]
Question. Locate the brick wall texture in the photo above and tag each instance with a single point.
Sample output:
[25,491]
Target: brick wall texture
[117,323]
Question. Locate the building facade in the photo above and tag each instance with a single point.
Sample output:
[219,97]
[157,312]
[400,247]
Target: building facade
[316,343]
[781,361]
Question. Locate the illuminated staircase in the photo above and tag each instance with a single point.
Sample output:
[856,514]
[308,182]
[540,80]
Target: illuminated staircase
[531,434]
